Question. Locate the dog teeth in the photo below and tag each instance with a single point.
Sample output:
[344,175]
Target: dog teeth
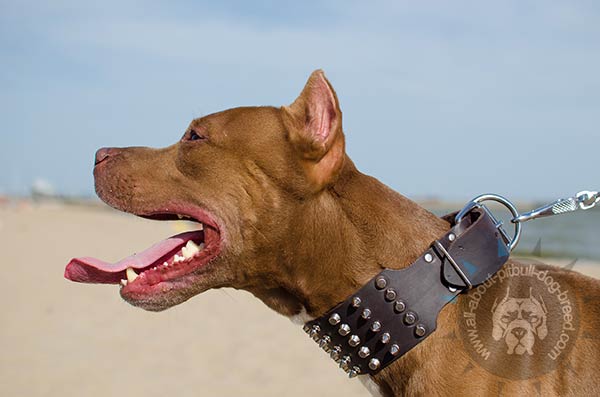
[187,218]
[192,245]
[190,249]
[186,253]
[131,274]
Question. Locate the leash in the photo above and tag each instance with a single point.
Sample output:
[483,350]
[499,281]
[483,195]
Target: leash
[398,309]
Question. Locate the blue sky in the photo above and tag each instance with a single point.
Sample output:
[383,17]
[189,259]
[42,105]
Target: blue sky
[446,98]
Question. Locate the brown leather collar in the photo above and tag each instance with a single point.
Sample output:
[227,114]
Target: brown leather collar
[398,309]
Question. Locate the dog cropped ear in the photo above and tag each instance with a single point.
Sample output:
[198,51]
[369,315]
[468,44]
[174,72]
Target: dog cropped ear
[314,125]
[497,330]
[542,330]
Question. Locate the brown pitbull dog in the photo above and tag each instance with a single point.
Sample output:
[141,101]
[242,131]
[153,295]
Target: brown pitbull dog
[286,215]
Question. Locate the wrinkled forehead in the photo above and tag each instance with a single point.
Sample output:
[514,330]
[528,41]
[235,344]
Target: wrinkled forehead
[239,119]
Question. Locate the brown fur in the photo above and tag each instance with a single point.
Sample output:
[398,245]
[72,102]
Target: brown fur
[303,228]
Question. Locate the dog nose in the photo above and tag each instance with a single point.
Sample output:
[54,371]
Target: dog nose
[104,153]
[519,332]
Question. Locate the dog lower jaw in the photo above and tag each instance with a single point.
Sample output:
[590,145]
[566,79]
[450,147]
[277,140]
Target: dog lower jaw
[157,292]
[162,295]
[213,273]
[169,293]
[166,296]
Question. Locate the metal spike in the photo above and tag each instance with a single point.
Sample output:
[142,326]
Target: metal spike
[400,306]
[344,329]
[394,350]
[334,319]
[345,362]
[420,330]
[356,301]
[366,314]
[380,282]
[354,372]
[410,318]
[428,257]
[324,341]
[364,352]
[306,328]
[354,341]
[385,338]
[335,352]
[314,332]
[390,295]
[374,364]
[376,326]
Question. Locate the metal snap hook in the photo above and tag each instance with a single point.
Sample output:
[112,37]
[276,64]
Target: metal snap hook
[581,201]
[476,203]
[587,199]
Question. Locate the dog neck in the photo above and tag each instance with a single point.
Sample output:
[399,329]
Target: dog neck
[363,227]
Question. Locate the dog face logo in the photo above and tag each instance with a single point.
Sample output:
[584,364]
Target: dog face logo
[519,321]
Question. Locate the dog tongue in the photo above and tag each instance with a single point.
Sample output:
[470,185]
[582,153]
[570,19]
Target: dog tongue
[92,270]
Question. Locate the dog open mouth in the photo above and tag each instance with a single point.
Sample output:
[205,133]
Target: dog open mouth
[166,262]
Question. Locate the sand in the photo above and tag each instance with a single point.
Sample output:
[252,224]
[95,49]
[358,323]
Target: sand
[59,338]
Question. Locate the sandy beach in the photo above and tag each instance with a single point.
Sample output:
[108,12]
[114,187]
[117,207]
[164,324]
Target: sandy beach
[60,338]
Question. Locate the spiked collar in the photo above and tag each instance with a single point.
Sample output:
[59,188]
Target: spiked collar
[398,309]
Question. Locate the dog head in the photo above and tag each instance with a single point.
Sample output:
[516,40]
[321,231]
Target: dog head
[259,180]
[518,321]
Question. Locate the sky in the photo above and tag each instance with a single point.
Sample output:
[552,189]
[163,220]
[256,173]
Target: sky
[440,99]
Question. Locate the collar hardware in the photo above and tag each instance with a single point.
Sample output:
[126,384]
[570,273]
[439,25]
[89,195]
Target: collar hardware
[398,309]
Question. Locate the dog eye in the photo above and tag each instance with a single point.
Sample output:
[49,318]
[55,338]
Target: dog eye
[529,316]
[194,136]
